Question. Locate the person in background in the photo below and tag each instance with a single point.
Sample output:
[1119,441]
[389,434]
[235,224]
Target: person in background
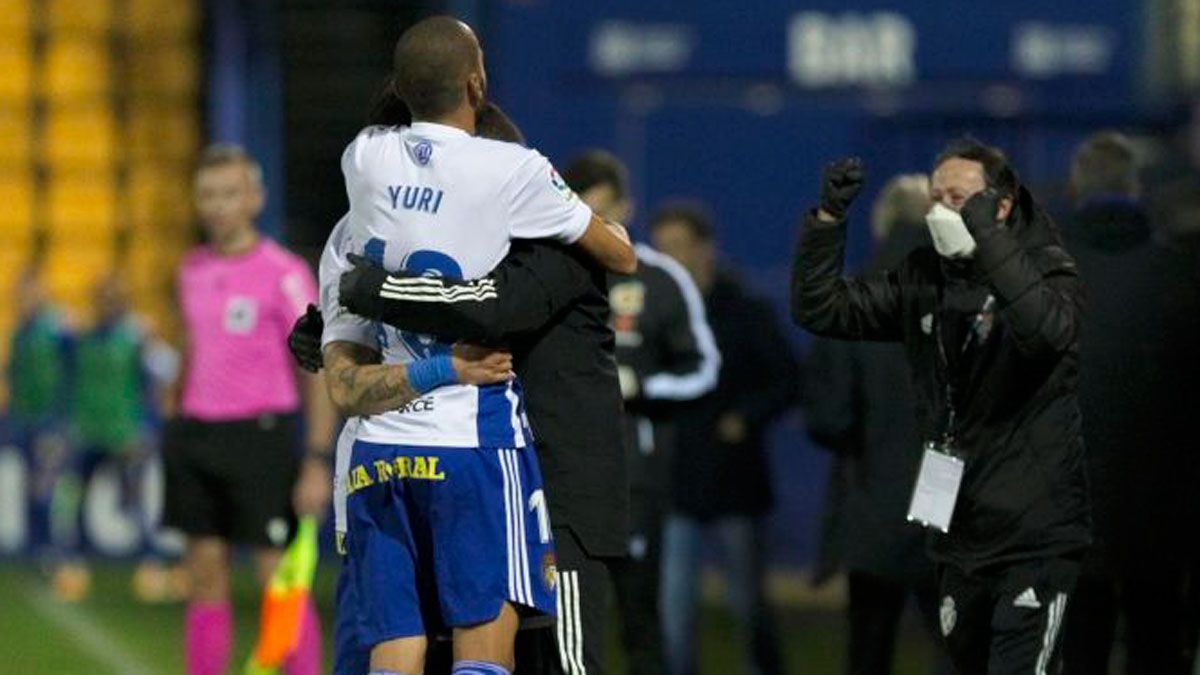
[720,481]
[666,355]
[1138,394]
[860,406]
[37,383]
[116,373]
[233,473]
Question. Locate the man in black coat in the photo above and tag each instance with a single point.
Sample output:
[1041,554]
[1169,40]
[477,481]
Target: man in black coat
[719,476]
[666,357]
[1137,392]
[990,320]
[860,405]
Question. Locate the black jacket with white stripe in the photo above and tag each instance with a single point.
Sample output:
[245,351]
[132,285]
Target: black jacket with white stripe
[667,356]
[551,308]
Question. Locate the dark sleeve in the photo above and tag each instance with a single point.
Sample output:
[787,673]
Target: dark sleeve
[535,282]
[831,397]
[828,304]
[1040,299]
[690,359]
[776,377]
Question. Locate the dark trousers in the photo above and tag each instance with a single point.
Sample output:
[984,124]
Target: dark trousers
[1150,599]
[636,581]
[876,607]
[1006,621]
[574,644]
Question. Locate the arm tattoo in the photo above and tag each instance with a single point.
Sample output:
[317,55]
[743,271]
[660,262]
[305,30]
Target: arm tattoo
[360,385]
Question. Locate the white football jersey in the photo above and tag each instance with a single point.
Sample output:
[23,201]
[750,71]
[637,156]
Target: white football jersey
[434,200]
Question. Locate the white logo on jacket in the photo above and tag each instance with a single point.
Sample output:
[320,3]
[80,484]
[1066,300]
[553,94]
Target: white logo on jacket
[948,614]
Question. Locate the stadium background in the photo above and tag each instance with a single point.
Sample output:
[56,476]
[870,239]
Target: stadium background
[104,104]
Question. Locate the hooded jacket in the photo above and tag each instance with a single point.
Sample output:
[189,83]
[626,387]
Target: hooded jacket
[1007,368]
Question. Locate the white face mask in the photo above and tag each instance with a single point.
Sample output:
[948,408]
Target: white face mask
[950,235]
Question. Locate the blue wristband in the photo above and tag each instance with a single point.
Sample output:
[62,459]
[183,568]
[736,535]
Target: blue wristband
[425,375]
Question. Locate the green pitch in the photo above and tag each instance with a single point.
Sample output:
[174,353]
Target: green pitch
[111,633]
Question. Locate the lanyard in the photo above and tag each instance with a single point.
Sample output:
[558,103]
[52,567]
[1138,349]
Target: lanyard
[951,423]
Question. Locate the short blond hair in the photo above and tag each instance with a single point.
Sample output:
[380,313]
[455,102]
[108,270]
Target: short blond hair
[224,154]
[905,198]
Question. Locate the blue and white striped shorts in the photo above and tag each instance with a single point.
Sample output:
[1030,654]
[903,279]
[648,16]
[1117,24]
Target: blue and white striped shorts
[440,538]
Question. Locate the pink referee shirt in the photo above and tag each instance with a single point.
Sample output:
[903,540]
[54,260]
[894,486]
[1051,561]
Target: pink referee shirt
[237,312]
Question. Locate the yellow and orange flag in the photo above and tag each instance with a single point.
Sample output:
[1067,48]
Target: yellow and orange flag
[282,616]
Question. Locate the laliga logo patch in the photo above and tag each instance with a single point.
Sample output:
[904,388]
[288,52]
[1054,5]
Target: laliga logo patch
[948,615]
[423,151]
[927,324]
[549,571]
[561,185]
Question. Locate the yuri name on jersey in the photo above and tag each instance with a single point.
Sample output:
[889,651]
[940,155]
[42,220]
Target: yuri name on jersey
[415,198]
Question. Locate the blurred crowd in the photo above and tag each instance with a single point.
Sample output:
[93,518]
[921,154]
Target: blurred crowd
[89,394]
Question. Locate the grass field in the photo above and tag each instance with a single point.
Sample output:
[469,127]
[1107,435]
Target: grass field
[109,632]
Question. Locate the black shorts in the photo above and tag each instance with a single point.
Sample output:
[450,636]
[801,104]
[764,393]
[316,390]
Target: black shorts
[232,480]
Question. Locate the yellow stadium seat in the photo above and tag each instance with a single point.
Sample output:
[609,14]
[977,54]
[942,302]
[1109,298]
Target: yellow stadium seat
[84,15]
[162,133]
[75,67]
[14,15]
[82,207]
[72,271]
[79,137]
[16,209]
[158,70]
[12,265]
[160,198]
[163,19]
[16,124]
[16,62]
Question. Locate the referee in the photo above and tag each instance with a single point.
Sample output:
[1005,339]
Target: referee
[233,475]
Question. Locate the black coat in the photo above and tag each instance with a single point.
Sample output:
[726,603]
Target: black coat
[760,380]
[859,404]
[1014,385]
[1138,389]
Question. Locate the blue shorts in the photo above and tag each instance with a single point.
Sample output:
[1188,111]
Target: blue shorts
[441,538]
[350,657]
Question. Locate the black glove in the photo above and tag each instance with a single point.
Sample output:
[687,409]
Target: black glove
[359,288]
[979,213]
[305,340]
[840,183]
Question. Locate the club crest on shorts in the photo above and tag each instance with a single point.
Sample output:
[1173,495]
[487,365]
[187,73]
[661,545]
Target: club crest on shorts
[549,571]
[948,615]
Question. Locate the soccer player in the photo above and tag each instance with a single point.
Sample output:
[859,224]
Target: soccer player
[117,372]
[232,472]
[674,359]
[452,471]
[551,308]
[37,383]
